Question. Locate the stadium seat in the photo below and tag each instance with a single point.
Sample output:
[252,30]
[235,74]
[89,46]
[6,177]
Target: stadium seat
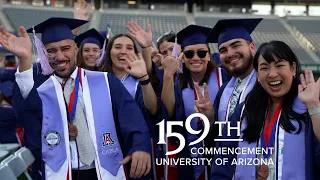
[6,173]
[3,154]
[26,156]
[16,165]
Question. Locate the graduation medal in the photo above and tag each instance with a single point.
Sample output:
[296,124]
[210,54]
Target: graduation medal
[262,172]
[73,132]
[71,108]
[267,140]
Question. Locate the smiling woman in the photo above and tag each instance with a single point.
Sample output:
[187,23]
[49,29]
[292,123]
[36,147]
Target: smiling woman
[277,83]
[122,59]
[274,117]
[200,81]
[90,49]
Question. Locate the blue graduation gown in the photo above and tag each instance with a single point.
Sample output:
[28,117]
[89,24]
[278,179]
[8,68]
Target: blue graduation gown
[157,79]
[7,74]
[8,124]
[225,172]
[127,115]
[30,115]
[151,121]
[186,171]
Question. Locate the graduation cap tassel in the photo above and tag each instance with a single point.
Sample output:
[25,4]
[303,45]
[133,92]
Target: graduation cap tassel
[42,55]
[102,54]
[108,36]
[175,54]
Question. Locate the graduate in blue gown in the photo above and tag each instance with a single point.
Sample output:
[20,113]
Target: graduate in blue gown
[123,61]
[132,132]
[273,116]
[180,98]
[236,49]
[31,118]
[90,44]
[8,119]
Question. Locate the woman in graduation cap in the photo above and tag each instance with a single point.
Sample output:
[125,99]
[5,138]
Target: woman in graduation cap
[123,60]
[90,53]
[180,98]
[276,116]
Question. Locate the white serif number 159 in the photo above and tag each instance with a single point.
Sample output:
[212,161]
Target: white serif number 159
[182,140]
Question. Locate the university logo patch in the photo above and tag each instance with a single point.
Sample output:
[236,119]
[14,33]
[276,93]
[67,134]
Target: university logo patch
[107,140]
[52,138]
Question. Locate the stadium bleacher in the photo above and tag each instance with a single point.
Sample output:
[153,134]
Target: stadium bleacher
[310,28]
[29,16]
[269,29]
[160,23]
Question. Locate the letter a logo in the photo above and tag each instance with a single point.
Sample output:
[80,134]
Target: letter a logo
[107,140]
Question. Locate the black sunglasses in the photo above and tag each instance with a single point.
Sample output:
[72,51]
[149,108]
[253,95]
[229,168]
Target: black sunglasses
[189,54]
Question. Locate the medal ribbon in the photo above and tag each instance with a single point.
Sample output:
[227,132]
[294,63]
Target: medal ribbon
[269,130]
[71,107]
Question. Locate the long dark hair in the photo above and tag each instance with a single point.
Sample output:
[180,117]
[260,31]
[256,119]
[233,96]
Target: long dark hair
[81,62]
[256,103]
[186,79]
[106,64]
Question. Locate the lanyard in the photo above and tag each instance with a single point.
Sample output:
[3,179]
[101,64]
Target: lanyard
[71,107]
[269,130]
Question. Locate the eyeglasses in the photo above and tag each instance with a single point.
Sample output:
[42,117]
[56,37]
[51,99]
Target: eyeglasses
[189,54]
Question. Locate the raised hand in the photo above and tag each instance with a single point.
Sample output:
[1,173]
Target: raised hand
[141,36]
[170,64]
[309,90]
[20,46]
[203,105]
[137,66]
[82,10]
[140,165]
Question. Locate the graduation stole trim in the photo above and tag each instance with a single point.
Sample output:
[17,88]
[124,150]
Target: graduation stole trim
[289,149]
[223,113]
[99,115]
[131,84]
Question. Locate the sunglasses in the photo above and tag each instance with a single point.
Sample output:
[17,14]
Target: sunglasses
[201,54]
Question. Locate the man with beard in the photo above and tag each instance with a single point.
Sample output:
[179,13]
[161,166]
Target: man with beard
[236,50]
[80,123]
